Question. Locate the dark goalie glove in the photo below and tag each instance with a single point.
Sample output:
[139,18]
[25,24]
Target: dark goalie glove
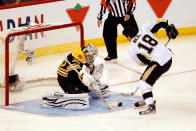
[172,32]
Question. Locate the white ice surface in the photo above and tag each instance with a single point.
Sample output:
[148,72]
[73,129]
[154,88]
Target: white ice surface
[175,93]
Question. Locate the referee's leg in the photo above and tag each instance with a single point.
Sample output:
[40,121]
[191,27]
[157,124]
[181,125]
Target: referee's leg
[110,36]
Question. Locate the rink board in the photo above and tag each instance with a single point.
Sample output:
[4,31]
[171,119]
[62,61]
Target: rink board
[96,106]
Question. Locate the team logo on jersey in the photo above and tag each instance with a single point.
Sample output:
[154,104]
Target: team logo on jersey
[80,56]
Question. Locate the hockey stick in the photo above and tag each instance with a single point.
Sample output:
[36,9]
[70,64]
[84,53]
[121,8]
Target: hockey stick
[133,93]
[167,42]
[130,94]
[112,105]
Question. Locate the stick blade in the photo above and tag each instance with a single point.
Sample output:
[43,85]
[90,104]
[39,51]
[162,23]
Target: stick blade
[115,104]
[127,94]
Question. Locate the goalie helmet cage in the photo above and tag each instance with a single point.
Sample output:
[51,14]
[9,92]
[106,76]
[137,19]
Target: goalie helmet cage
[30,31]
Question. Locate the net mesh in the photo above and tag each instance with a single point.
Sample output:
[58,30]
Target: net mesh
[50,48]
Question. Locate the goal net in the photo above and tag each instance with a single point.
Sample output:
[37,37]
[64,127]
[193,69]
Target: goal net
[32,54]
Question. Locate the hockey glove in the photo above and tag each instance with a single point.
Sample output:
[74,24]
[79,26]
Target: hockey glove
[172,32]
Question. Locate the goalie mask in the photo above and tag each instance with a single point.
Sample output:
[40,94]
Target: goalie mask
[90,52]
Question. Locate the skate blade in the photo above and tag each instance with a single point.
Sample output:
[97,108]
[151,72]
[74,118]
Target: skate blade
[149,113]
[141,107]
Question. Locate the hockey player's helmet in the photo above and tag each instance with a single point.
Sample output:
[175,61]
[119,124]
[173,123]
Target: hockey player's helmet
[91,52]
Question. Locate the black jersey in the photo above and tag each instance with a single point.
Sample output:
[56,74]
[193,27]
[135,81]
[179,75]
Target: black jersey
[64,69]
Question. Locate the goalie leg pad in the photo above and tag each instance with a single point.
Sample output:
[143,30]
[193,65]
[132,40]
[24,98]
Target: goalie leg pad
[66,101]
[105,90]
[102,89]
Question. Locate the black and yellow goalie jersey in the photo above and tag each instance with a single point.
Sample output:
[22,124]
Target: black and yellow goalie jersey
[68,78]
[66,70]
[77,59]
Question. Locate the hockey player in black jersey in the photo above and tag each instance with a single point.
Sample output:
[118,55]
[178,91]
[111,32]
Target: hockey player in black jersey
[146,50]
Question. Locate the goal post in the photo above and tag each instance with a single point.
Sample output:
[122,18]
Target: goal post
[30,30]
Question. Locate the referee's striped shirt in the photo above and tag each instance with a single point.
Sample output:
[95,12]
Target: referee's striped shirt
[117,8]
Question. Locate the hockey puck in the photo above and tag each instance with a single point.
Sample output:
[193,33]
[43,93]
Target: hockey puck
[119,104]
[136,104]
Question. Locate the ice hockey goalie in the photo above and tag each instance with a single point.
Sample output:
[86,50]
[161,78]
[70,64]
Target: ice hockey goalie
[79,72]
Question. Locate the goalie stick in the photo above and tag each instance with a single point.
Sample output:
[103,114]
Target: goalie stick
[112,105]
[135,91]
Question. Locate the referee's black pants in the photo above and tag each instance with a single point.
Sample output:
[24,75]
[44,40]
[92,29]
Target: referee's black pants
[110,32]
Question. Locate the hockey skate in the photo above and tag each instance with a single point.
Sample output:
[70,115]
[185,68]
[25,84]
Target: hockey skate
[151,109]
[109,59]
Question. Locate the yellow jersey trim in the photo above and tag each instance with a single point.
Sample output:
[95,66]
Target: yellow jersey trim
[61,74]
